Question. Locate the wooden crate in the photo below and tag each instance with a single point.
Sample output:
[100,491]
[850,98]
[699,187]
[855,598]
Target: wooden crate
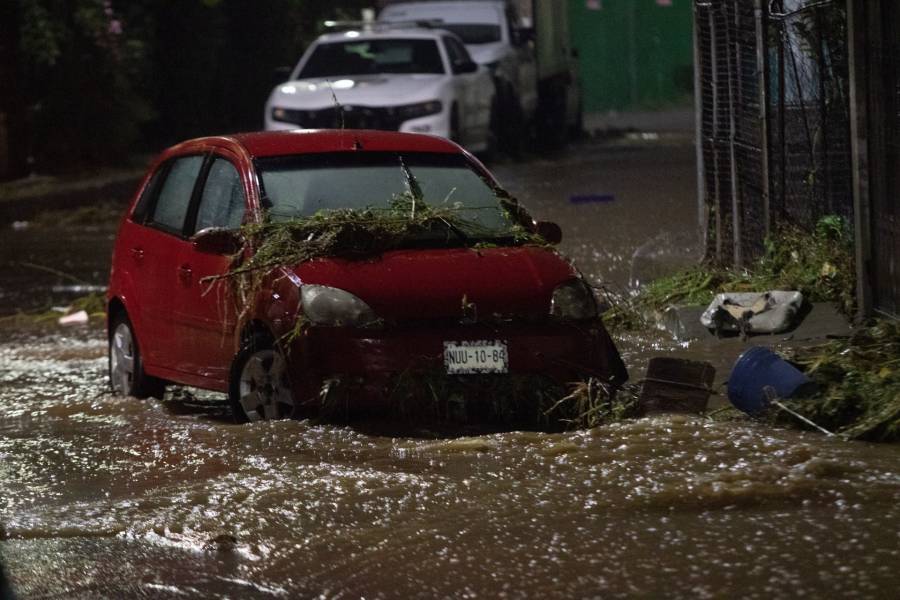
[676,385]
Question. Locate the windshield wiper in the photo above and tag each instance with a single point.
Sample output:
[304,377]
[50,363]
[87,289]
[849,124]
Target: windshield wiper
[456,229]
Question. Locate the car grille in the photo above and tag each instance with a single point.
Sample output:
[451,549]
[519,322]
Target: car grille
[354,117]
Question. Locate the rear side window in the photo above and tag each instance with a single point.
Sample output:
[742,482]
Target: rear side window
[175,194]
[222,202]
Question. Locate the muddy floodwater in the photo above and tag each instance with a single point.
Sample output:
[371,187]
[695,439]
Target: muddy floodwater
[116,497]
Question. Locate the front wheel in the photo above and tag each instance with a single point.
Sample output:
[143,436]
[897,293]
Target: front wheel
[126,366]
[260,386]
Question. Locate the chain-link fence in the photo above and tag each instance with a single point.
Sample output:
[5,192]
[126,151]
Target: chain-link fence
[882,43]
[775,118]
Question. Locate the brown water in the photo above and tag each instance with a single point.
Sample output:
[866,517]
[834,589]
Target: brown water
[113,497]
[103,496]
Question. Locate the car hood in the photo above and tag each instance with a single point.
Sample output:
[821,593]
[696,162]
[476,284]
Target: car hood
[430,284]
[366,90]
[485,54]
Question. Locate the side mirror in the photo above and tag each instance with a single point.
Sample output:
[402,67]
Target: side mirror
[549,231]
[465,66]
[216,240]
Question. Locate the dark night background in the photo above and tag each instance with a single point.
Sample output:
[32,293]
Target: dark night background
[92,82]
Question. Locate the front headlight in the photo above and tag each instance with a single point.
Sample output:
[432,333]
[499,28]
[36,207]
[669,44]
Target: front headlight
[324,305]
[285,115]
[573,300]
[421,109]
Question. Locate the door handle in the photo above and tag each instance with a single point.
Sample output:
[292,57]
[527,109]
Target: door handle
[137,253]
[185,273]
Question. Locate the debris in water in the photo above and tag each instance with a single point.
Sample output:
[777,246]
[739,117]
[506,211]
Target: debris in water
[859,383]
[753,312]
[759,368]
[224,542]
[76,318]
[676,385]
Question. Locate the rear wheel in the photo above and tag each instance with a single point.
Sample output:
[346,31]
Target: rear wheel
[260,386]
[126,367]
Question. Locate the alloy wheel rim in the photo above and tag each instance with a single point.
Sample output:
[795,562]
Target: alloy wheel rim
[264,390]
[122,360]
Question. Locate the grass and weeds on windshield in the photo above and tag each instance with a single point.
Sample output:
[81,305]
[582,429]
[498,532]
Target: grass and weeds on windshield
[360,234]
[819,264]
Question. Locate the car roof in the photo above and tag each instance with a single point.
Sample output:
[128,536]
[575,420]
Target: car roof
[312,141]
[361,34]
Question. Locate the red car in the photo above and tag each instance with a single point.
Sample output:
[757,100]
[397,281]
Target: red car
[466,301]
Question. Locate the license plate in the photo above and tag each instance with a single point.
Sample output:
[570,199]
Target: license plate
[480,356]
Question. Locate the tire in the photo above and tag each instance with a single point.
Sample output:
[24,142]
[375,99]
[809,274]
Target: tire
[259,388]
[552,120]
[512,127]
[126,366]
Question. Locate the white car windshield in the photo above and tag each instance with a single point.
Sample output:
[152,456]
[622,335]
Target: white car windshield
[301,186]
[363,57]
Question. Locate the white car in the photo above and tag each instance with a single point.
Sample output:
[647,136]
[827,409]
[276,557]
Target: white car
[412,79]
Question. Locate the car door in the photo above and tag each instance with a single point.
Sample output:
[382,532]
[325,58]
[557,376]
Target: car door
[207,303]
[480,90]
[156,241]
[465,90]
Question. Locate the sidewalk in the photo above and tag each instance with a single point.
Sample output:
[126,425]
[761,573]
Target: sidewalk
[22,199]
[673,120]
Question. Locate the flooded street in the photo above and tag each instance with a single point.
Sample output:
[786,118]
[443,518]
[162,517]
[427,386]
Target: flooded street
[116,497]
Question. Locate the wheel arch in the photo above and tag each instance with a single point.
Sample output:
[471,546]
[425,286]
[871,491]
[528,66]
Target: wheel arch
[115,307]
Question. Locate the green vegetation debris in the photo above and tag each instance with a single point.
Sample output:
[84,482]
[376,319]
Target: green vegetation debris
[820,264]
[859,379]
[358,234]
[94,304]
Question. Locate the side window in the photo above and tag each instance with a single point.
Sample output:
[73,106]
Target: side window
[139,215]
[457,51]
[452,51]
[222,202]
[175,194]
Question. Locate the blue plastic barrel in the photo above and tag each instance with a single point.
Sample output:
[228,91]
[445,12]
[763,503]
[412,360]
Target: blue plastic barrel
[758,368]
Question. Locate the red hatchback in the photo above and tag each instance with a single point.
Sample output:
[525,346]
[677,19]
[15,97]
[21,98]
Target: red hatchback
[193,301]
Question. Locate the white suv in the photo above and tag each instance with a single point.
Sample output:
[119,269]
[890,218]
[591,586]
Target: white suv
[399,78]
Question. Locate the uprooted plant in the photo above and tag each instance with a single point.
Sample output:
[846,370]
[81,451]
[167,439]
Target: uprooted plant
[859,383]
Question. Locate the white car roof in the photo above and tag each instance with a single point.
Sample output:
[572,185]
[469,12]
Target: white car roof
[382,33]
[483,11]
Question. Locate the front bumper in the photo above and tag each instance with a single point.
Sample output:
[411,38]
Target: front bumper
[374,359]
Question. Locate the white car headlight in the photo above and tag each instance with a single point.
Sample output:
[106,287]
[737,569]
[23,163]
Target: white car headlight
[573,300]
[414,111]
[325,305]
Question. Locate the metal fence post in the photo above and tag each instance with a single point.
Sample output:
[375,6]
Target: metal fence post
[734,54]
[762,66]
[857,28]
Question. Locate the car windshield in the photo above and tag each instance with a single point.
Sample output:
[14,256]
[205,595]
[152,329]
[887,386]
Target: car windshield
[301,186]
[474,33]
[373,56]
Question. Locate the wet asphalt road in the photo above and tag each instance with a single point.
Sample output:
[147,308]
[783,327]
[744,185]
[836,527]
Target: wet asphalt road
[114,497]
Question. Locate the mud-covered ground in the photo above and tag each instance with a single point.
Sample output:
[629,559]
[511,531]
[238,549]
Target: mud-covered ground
[113,497]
